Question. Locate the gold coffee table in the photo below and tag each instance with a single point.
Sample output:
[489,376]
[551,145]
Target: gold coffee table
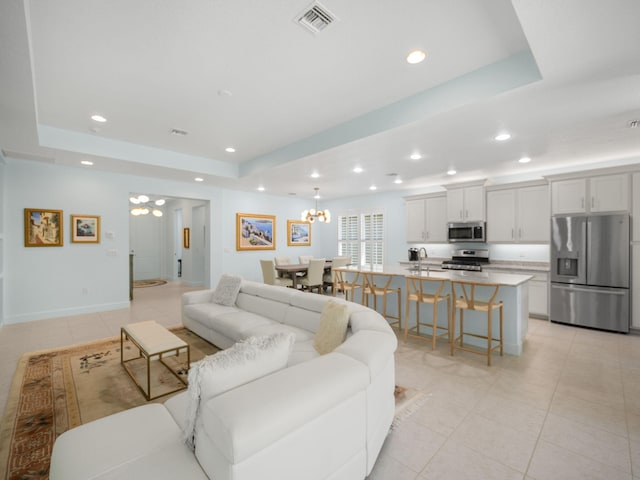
[152,340]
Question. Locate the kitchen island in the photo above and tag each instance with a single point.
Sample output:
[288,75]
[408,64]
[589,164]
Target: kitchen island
[514,293]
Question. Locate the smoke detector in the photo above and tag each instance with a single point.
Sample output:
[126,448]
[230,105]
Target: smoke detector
[315,18]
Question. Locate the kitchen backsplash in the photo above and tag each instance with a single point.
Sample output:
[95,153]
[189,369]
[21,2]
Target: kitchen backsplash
[516,252]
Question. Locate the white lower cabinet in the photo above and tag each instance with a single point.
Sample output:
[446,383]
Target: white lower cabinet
[538,290]
[538,295]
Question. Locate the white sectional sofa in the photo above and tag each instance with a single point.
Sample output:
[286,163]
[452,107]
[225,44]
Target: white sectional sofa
[321,417]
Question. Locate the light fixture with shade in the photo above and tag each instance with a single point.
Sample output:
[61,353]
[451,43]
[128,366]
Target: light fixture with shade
[314,214]
[141,207]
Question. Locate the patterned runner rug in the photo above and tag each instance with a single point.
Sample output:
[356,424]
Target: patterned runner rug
[59,389]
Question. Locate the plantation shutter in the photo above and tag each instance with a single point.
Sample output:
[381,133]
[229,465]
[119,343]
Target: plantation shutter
[361,238]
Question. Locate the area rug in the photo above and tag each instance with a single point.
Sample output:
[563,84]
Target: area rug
[59,389]
[148,283]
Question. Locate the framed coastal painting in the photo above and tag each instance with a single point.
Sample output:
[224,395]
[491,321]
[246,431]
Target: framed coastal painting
[298,233]
[42,228]
[255,232]
[85,229]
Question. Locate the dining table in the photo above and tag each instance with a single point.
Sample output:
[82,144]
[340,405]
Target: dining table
[294,269]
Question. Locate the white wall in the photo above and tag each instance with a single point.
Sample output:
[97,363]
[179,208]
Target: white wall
[80,278]
[2,242]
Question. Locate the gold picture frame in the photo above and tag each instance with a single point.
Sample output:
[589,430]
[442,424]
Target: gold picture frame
[43,227]
[186,237]
[85,228]
[298,233]
[255,232]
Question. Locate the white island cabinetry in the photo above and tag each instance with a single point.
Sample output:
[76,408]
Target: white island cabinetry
[514,292]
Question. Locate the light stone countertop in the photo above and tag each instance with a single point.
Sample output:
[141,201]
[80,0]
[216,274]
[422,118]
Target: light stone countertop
[500,278]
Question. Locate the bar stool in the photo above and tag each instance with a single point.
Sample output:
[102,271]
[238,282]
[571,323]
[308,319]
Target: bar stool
[371,282]
[340,283]
[469,301]
[421,290]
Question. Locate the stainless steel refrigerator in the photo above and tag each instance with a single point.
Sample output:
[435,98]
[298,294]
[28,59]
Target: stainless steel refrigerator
[590,271]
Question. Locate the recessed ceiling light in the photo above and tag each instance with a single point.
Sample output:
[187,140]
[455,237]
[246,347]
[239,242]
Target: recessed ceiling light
[261,188]
[415,156]
[373,187]
[397,181]
[315,175]
[524,160]
[357,169]
[501,137]
[416,56]
[451,171]
[86,162]
[230,149]
[98,118]
[199,179]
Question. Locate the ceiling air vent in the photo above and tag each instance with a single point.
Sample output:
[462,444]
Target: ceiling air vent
[315,17]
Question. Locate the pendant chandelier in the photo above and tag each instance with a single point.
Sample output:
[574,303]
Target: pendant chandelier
[314,214]
[142,207]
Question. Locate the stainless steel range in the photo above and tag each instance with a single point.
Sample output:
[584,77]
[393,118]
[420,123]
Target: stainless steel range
[464,259]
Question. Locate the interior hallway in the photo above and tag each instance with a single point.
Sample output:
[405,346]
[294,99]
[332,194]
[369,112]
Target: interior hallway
[568,408]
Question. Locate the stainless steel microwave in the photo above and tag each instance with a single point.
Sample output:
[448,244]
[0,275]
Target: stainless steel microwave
[466,232]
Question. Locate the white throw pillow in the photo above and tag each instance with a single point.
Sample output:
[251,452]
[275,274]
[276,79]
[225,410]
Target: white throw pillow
[332,330]
[244,362]
[227,290]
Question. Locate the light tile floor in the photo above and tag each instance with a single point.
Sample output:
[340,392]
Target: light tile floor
[568,408]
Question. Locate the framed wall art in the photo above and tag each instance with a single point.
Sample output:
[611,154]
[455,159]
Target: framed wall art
[42,228]
[85,229]
[298,233]
[255,232]
[186,237]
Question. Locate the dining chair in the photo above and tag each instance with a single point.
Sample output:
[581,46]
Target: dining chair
[269,275]
[379,285]
[282,261]
[304,259]
[430,291]
[484,302]
[329,278]
[313,278]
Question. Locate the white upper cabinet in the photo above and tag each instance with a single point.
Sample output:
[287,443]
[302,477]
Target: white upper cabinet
[501,216]
[518,215]
[533,217]
[427,220]
[606,193]
[568,196]
[465,204]
[609,193]
[436,209]
[415,210]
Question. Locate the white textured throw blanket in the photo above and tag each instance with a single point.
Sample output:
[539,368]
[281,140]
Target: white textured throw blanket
[242,363]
